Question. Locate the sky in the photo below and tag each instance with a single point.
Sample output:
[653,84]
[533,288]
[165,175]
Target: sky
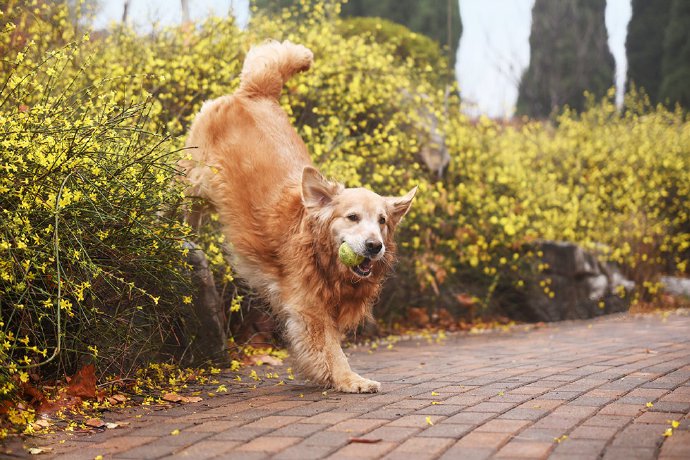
[493,51]
[144,12]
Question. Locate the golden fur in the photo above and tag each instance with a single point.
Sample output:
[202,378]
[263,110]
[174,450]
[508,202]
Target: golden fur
[286,222]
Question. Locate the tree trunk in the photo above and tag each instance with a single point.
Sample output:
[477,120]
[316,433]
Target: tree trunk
[209,340]
[125,11]
[185,11]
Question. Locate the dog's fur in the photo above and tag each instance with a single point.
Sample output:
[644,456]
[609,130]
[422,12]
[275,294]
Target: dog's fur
[285,221]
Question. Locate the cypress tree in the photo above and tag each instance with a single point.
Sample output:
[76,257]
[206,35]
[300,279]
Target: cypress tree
[675,66]
[644,45]
[569,55]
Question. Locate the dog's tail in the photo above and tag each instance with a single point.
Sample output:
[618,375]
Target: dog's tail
[268,66]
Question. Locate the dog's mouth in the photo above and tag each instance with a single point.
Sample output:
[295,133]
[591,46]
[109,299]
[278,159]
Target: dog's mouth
[364,269]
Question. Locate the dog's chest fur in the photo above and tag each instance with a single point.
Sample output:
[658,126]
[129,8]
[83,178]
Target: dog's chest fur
[288,258]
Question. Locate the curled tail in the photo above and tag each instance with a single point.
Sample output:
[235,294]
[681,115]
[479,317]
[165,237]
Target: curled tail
[268,66]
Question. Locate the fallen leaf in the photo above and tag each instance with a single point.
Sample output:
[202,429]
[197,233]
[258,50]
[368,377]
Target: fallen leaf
[649,404]
[191,399]
[32,394]
[364,440]
[266,359]
[94,423]
[428,421]
[433,393]
[83,383]
[675,423]
[118,398]
[175,432]
[418,316]
[172,397]
[668,432]
[64,401]
[465,300]
[111,425]
[39,450]
[435,403]
[43,423]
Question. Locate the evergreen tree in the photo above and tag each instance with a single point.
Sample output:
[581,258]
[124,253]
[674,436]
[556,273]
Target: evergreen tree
[644,44]
[569,55]
[675,66]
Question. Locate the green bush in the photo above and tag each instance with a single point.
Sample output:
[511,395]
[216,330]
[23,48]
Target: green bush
[421,50]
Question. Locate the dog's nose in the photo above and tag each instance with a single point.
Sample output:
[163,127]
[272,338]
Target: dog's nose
[373,247]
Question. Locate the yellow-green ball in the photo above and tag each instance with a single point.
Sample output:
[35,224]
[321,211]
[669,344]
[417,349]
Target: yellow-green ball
[348,256]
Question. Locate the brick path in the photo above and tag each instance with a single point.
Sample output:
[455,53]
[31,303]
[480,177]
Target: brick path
[568,390]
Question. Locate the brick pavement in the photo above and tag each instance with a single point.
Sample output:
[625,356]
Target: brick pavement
[565,391]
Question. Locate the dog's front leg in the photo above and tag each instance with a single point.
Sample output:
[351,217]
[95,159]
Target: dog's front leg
[315,345]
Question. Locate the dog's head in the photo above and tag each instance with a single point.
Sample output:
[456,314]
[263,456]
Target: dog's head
[357,216]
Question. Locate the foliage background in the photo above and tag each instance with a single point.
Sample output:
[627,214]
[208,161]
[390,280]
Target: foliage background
[431,20]
[92,263]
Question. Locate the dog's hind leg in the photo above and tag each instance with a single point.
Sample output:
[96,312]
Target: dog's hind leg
[315,346]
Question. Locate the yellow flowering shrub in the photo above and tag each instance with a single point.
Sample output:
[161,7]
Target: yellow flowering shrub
[89,263]
[90,240]
[617,183]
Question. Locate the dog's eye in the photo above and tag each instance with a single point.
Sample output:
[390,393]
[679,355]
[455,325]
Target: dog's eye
[382,220]
[353,217]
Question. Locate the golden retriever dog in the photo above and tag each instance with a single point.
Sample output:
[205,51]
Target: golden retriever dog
[285,221]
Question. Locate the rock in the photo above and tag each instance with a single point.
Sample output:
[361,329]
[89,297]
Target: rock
[569,260]
[582,286]
[676,286]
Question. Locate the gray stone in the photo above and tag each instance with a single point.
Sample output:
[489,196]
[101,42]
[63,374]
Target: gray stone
[676,286]
[582,286]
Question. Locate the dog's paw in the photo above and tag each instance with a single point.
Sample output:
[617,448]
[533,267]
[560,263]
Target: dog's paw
[356,384]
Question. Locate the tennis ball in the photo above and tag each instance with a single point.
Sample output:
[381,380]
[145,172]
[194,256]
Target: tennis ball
[348,256]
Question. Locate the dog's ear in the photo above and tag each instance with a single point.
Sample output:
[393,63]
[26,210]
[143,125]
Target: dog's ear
[317,192]
[400,205]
